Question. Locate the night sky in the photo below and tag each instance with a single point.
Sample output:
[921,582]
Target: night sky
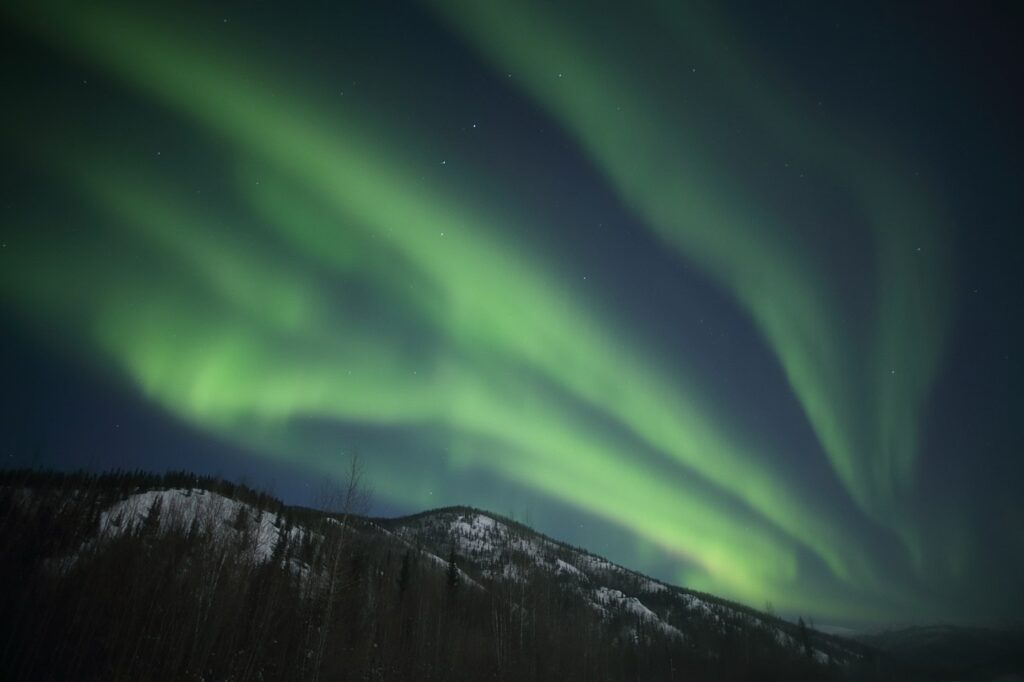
[728,293]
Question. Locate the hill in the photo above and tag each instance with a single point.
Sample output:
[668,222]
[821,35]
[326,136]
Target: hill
[130,576]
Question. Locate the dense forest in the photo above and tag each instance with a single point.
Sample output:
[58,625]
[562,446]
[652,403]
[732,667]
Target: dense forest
[227,583]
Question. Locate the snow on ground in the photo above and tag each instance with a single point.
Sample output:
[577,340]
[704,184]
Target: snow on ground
[783,639]
[589,562]
[790,642]
[474,531]
[209,512]
[477,537]
[443,563]
[480,534]
[606,597]
[489,542]
[566,567]
[501,551]
[653,587]
[695,603]
[181,509]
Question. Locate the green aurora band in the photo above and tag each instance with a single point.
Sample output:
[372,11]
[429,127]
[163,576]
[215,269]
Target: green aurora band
[865,417]
[245,337]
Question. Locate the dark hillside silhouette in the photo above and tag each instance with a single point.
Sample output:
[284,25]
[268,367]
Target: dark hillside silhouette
[133,576]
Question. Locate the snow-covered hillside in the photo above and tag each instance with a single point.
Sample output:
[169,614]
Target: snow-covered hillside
[213,580]
[490,553]
[222,516]
[496,550]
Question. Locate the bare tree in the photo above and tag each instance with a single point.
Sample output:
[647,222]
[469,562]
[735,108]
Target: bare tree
[341,501]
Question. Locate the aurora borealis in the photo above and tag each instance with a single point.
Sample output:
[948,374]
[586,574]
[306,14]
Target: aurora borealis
[673,284]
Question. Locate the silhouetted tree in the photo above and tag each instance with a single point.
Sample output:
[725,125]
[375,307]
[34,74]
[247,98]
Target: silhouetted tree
[453,571]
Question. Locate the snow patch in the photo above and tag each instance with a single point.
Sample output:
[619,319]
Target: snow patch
[566,567]
[187,510]
[607,597]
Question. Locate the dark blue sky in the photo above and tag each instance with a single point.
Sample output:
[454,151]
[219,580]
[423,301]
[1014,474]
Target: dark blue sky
[731,296]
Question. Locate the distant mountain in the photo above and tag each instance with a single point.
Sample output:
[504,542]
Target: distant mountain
[959,652]
[132,576]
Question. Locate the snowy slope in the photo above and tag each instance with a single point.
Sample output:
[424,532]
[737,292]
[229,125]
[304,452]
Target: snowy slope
[491,553]
[497,550]
[213,512]
[254,533]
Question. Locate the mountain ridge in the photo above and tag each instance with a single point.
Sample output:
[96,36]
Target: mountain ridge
[335,595]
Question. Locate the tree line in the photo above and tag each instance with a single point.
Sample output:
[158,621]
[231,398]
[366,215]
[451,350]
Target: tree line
[174,597]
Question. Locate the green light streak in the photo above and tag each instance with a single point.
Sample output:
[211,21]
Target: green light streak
[240,341]
[265,370]
[865,416]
